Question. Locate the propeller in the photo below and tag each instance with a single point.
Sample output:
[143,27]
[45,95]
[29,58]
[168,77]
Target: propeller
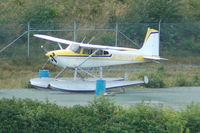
[51,55]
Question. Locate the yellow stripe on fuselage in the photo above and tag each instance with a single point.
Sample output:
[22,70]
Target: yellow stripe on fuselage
[70,54]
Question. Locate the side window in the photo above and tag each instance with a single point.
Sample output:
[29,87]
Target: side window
[99,53]
[102,53]
[87,51]
[105,53]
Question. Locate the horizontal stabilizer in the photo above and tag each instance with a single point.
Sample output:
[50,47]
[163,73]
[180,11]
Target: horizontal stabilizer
[154,58]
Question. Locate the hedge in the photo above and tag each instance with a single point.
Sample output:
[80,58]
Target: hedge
[100,116]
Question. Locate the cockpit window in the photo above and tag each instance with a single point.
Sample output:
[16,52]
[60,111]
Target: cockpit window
[98,53]
[88,51]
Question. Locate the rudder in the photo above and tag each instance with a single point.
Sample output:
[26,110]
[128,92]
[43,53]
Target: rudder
[151,43]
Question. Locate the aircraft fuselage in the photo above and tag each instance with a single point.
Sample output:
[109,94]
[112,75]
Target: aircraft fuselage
[67,58]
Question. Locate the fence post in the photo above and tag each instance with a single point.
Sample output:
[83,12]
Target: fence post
[74,31]
[28,45]
[116,35]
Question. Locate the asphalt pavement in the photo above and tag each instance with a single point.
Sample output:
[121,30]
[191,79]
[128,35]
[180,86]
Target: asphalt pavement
[176,98]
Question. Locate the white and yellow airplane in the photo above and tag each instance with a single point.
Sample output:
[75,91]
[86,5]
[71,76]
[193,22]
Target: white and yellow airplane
[90,55]
[81,55]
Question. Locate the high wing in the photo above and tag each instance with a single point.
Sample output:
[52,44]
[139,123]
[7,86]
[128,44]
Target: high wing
[91,46]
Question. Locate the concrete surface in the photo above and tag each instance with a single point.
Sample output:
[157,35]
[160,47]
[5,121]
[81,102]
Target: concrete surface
[176,98]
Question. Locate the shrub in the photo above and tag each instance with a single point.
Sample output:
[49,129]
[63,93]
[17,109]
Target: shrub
[144,118]
[101,115]
[31,116]
[156,79]
[192,116]
[181,80]
[196,80]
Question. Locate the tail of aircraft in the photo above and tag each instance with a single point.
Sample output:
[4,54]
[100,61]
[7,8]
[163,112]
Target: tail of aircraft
[150,48]
[151,43]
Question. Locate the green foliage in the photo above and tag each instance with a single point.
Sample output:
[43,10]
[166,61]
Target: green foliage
[156,79]
[196,80]
[182,80]
[162,78]
[192,116]
[144,14]
[153,11]
[156,120]
[193,10]
[134,17]
[41,14]
[101,115]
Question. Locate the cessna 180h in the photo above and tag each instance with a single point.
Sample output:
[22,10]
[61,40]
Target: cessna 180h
[81,55]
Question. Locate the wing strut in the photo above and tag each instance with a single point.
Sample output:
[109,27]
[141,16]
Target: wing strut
[78,67]
[87,58]
[60,73]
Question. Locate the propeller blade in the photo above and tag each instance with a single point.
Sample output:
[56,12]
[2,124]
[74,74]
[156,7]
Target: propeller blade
[53,58]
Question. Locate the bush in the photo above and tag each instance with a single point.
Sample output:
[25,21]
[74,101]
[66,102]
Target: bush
[101,115]
[182,81]
[156,79]
[31,116]
[192,116]
[196,80]
[154,119]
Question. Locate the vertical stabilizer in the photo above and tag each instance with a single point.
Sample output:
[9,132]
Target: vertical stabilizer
[151,43]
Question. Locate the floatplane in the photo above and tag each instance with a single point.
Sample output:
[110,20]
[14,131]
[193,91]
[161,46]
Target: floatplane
[78,56]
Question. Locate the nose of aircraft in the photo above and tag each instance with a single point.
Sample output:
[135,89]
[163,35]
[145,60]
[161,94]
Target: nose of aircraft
[50,54]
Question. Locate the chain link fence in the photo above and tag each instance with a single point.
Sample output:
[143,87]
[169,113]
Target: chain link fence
[177,39]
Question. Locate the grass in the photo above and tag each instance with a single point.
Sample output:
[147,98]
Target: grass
[16,72]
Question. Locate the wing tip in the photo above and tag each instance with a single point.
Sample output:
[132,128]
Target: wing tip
[38,35]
